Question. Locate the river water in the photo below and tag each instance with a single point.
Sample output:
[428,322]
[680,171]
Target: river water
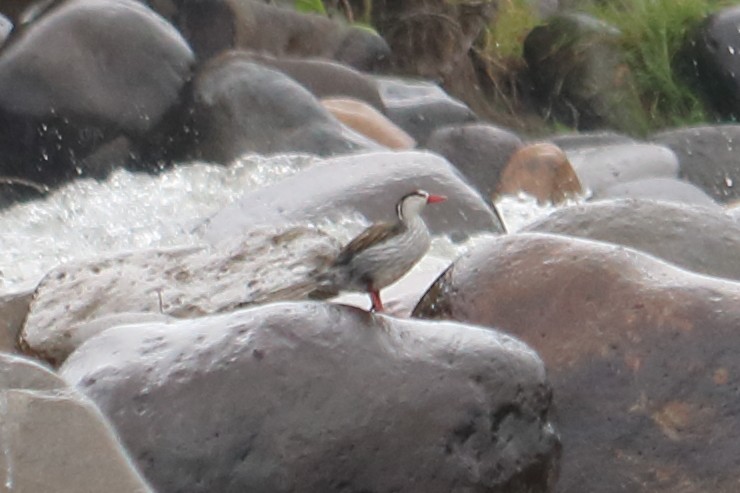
[131,211]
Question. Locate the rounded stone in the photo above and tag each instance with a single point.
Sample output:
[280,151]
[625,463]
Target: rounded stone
[543,171]
[479,151]
[693,237]
[309,397]
[641,355]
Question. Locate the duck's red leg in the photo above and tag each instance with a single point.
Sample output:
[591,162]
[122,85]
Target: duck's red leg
[375,297]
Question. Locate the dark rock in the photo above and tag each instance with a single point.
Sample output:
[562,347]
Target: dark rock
[13,9]
[665,189]
[129,69]
[641,356]
[327,79]
[479,151]
[543,171]
[602,167]
[695,238]
[579,74]
[55,439]
[369,184]
[312,397]
[589,139]
[708,157]
[213,26]
[713,55]
[420,107]
[240,107]
[433,39]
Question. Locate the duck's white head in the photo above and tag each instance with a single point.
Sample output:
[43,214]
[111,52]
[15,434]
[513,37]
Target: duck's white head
[411,204]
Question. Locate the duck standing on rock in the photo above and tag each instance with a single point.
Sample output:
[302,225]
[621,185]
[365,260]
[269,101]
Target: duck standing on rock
[383,253]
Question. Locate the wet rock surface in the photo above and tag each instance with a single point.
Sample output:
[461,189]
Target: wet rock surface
[640,355]
[478,150]
[241,107]
[317,397]
[367,121]
[214,26]
[52,117]
[580,75]
[368,183]
[602,167]
[77,300]
[708,157]
[55,439]
[420,107]
[696,238]
[13,310]
[713,57]
[543,171]
[663,189]
[327,79]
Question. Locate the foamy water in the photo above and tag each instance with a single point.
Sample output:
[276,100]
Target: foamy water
[131,211]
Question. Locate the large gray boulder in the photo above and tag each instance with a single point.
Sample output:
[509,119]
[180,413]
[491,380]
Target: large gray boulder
[212,26]
[708,156]
[81,75]
[55,439]
[314,397]
[370,184]
[704,240]
[601,167]
[240,107]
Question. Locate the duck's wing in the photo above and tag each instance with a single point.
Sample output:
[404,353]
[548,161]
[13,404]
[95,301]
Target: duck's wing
[374,235]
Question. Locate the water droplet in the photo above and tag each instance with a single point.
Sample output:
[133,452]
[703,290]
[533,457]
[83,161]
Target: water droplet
[731,50]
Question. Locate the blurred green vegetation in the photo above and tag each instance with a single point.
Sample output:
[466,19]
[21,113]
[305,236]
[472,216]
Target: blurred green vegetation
[654,35]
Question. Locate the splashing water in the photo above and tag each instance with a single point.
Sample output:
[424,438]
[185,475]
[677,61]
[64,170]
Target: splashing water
[131,211]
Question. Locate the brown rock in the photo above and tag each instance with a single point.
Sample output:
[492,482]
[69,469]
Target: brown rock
[641,355]
[368,121]
[541,170]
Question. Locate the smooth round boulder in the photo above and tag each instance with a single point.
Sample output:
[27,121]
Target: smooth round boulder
[693,237]
[708,156]
[369,184]
[662,189]
[595,138]
[713,57]
[242,107]
[478,150]
[420,107]
[579,74]
[641,355]
[214,26]
[369,122]
[308,397]
[541,170]
[602,167]
[129,64]
[327,79]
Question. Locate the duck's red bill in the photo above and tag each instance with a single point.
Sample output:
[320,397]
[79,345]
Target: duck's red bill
[436,198]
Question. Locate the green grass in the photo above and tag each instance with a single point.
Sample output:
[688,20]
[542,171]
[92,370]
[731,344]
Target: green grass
[654,33]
